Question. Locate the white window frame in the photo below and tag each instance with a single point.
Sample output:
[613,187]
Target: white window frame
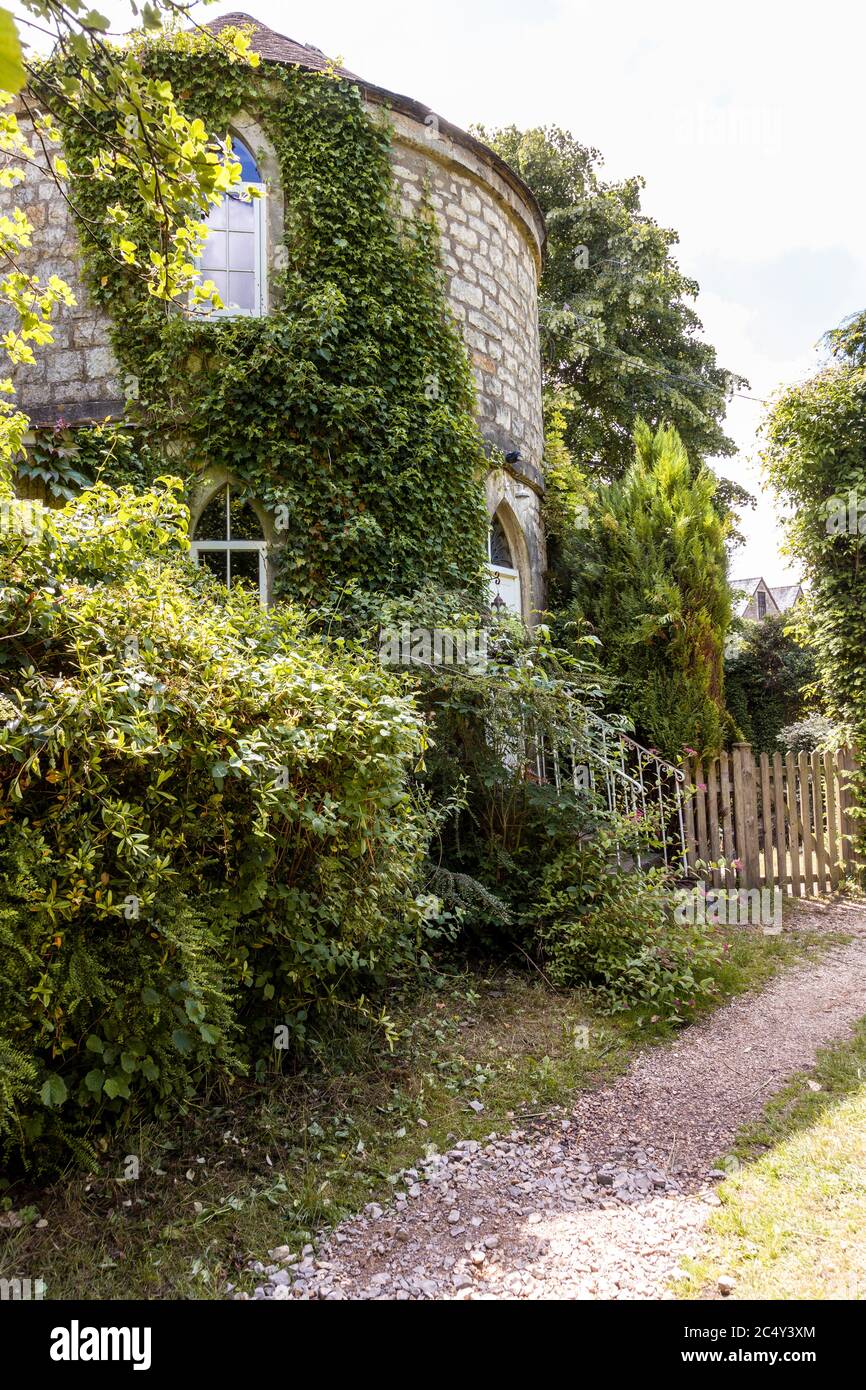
[506,582]
[226,547]
[260,262]
[505,579]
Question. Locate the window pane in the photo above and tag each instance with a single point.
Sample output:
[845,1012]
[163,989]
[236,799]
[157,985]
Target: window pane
[216,218]
[212,522]
[221,280]
[214,255]
[242,215]
[500,551]
[245,525]
[249,168]
[245,568]
[217,563]
[242,249]
[242,291]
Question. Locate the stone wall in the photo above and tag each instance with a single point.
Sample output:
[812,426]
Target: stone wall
[76,377]
[491,241]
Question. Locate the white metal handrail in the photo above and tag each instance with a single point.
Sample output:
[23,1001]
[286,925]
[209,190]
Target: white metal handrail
[636,782]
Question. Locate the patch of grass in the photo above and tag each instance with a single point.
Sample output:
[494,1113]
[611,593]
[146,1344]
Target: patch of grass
[792,1218]
[268,1165]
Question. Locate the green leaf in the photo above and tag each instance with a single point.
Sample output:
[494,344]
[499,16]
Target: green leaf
[182,1040]
[94,20]
[94,1080]
[12,75]
[54,1091]
[116,1086]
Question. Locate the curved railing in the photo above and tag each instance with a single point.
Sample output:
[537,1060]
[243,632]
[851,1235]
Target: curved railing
[584,752]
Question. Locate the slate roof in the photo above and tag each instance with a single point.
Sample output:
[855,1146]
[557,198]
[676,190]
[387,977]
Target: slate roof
[749,586]
[786,595]
[274,47]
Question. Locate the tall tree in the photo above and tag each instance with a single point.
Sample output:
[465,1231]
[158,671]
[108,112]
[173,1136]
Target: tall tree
[619,337]
[647,572]
[815,455]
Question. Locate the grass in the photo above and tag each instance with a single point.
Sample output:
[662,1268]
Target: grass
[268,1165]
[792,1217]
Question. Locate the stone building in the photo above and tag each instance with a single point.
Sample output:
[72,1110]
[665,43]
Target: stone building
[492,238]
[756,600]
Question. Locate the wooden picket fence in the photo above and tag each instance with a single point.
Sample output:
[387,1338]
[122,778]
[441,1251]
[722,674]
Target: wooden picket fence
[784,821]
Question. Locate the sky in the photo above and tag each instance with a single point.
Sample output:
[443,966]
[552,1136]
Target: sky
[745,121]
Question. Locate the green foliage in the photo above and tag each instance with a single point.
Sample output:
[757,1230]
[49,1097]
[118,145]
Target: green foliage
[207,831]
[350,405]
[172,169]
[619,337]
[499,823]
[613,931]
[816,731]
[816,459]
[765,680]
[647,571]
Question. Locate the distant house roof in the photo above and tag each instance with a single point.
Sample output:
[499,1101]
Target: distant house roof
[783,596]
[749,588]
[749,585]
[787,595]
[278,48]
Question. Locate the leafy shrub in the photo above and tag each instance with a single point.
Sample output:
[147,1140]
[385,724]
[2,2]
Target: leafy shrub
[613,931]
[207,830]
[765,675]
[806,735]
[500,824]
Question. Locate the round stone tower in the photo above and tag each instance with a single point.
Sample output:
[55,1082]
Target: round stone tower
[492,236]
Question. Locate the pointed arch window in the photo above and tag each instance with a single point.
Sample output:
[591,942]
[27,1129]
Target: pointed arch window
[229,539]
[505,587]
[234,253]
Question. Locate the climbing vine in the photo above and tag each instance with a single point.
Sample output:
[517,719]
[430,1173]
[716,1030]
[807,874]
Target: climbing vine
[350,406]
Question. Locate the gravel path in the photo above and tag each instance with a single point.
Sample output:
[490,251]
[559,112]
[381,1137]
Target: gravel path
[608,1202]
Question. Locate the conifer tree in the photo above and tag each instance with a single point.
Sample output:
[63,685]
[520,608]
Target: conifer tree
[649,576]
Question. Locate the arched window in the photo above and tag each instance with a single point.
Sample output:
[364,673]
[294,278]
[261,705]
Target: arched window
[228,538]
[505,589]
[233,255]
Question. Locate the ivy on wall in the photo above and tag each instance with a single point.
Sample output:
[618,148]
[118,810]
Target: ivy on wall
[350,407]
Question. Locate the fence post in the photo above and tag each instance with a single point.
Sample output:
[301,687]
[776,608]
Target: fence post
[689,814]
[748,852]
[804,768]
[727,822]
